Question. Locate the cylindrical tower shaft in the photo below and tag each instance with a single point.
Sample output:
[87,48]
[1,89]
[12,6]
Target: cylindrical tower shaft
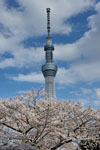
[49,69]
[49,87]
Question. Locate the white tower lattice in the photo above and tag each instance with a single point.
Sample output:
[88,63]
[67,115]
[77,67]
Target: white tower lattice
[49,70]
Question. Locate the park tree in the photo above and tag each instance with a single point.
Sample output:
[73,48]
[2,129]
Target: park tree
[90,144]
[47,124]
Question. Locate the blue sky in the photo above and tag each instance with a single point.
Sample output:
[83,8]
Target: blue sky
[75,29]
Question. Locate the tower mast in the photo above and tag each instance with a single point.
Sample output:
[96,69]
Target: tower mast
[49,69]
[48,21]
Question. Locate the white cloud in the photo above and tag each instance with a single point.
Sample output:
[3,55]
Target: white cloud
[84,102]
[96,102]
[23,57]
[97,90]
[95,97]
[86,91]
[23,24]
[65,76]
[86,72]
[88,96]
[84,55]
[87,47]
[61,10]
[30,20]
[67,52]
[32,77]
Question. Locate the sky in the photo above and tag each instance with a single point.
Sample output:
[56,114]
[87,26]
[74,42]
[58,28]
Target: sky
[75,31]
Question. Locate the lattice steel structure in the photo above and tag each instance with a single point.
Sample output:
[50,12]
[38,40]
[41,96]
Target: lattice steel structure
[49,69]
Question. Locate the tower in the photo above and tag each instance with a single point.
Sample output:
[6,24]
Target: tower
[49,69]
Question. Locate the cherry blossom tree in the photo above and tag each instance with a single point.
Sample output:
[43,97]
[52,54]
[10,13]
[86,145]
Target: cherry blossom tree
[47,124]
[90,144]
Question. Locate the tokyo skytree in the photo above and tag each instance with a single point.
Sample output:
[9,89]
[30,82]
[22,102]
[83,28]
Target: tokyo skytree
[49,69]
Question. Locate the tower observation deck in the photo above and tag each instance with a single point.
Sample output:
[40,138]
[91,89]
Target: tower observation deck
[49,69]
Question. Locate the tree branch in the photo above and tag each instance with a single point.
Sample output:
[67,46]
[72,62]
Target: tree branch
[45,124]
[60,144]
[18,130]
[28,130]
[81,125]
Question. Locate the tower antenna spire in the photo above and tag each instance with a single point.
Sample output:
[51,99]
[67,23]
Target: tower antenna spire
[48,21]
[49,69]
